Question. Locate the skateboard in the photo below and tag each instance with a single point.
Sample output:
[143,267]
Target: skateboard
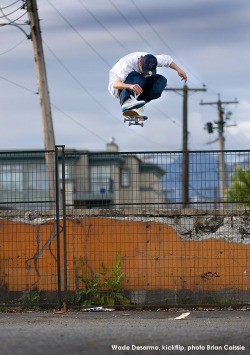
[133,118]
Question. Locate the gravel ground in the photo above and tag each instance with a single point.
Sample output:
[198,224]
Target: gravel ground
[125,332]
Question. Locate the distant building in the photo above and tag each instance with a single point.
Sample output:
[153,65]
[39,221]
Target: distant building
[93,179]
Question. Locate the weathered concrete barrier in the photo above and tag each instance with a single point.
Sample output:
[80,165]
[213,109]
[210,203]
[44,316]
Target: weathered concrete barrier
[183,256]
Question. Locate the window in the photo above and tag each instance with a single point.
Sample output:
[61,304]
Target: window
[125,178]
[37,177]
[100,179]
[11,177]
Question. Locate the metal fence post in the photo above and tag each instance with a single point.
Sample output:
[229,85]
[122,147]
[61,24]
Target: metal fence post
[64,224]
[58,228]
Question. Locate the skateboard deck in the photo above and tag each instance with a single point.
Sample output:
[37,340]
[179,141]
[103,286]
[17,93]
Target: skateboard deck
[133,118]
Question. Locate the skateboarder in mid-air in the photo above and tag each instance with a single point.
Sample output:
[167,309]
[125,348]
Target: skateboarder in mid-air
[133,80]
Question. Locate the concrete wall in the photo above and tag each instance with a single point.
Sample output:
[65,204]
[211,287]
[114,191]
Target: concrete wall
[163,253]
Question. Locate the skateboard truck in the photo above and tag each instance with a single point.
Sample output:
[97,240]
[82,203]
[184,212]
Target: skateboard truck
[133,121]
[133,118]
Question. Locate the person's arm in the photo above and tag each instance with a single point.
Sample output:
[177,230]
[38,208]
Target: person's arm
[180,72]
[118,84]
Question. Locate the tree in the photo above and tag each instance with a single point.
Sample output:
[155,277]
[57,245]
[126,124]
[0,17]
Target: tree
[239,190]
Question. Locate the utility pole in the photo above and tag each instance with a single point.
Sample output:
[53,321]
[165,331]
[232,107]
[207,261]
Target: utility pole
[185,160]
[220,127]
[47,124]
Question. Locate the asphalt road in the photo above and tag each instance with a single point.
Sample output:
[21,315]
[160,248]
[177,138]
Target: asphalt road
[125,332]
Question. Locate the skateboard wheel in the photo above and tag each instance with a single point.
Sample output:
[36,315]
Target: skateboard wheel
[142,124]
[124,120]
[129,123]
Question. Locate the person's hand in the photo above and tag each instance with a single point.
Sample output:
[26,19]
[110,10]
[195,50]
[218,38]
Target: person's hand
[136,88]
[183,75]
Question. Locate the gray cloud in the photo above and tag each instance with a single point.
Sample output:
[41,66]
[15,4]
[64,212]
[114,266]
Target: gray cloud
[208,39]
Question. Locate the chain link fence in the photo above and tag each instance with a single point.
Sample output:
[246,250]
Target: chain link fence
[124,228]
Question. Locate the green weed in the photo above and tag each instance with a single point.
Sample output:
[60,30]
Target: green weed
[104,288]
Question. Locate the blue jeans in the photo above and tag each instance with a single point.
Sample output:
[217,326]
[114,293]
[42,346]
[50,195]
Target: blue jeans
[152,86]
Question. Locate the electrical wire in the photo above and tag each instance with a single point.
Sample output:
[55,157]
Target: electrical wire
[69,116]
[18,85]
[78,123]
[167,46]
[131,25]
[91,47]
[142,37]
[5,7]
[12,21]
[163,40]
[10,13]
[93,97]
[120,43]
[79,34]
[104,27]
[56,107]
[11,49]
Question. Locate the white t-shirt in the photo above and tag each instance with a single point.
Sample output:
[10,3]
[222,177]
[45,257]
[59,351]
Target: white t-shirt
[128,64]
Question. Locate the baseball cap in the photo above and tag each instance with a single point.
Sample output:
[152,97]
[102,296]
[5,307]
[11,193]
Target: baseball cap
[149,64]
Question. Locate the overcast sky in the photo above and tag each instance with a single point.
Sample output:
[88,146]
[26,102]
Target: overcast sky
[83,39]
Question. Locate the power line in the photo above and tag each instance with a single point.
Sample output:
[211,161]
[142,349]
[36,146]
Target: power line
[56,107]
[11,49]
[116,40]
[93,97]
[130,24]
[18,85]
[10,13]
[143,39]
[165,43]
[75,30]
[78,123]
[67,115]
[152,28]
[103,26]
[70,117]
[79,34]
[162,39]
[5,7]
[164,114]
[42,83]
[12,21]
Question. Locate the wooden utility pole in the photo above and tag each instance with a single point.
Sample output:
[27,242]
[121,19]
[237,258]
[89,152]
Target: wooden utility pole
[222,166]
[220,126]
[185,157]
[47,124]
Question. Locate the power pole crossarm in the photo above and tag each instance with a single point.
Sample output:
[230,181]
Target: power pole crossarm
[222,102]
[181,89]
